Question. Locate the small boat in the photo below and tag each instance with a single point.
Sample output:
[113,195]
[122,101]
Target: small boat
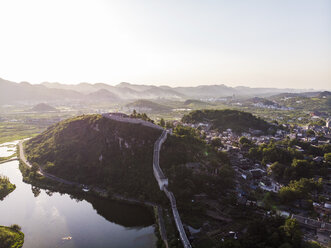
[67,238]
[86,189]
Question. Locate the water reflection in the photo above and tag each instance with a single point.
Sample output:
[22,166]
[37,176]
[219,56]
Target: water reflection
[47,217]
[122,214]
[7,149]
[35,190]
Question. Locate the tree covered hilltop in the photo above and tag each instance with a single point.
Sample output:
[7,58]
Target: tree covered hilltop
[94,150]
[238,121]
[118,156]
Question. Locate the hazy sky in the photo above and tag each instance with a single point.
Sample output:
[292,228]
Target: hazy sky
[258,43]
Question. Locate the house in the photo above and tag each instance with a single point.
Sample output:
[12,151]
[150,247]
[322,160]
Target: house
[257,173]
[318,159]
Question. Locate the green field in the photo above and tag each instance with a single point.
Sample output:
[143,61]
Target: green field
[10,131]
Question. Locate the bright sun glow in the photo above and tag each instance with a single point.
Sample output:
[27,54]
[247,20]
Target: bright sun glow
[254,43]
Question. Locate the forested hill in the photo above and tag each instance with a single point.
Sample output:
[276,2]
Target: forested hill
[238,121]
[95,150]
[118,156]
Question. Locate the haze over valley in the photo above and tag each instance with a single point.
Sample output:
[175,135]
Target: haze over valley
[165,124]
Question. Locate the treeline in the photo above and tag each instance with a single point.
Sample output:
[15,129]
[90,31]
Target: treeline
[5,187]
[142,116]
[291,162]
[301,189]
[238,121]
[271,232]
[287,162]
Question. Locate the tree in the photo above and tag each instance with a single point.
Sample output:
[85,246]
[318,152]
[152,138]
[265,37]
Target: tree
[292,231]
[310,133]
[327,157]
[162,122]
[34,169]
[243,140]
[16,227]
[216,142]
[300,189]
[301,169]
[169,124]
[277,170]
[255,153]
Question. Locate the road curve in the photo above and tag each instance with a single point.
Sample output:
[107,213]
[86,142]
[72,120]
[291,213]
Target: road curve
[40,171]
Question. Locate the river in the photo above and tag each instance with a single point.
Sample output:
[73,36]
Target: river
[48,219]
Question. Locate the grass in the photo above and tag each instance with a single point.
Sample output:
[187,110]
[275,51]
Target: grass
[6,158]
[9,157]
[11,237]
[10,131]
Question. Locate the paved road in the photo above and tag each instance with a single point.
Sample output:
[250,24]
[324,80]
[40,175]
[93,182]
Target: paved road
[40,171]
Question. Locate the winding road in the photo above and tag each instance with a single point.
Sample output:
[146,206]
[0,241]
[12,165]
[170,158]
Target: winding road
[40,171]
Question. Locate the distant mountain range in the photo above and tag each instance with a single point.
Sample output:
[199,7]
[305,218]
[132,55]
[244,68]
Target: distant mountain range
[26,93]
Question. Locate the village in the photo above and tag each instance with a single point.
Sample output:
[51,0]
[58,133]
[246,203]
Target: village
[252,175]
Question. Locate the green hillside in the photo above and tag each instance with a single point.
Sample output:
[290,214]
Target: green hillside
[148,106]
[238,121]
[98,151]
[43,107]
[194,104]
[118,156]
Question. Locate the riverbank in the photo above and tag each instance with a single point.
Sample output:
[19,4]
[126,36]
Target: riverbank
[5,160]
[5,187]
[90,221]
[43,180]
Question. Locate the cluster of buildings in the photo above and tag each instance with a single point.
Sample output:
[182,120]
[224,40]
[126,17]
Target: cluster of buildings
[271,106]
[252,175]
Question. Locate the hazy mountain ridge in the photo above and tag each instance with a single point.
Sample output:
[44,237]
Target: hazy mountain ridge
[11,92]
[103,95]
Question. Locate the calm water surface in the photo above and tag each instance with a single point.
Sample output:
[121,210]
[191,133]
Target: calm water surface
[7,149]
[46,218]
